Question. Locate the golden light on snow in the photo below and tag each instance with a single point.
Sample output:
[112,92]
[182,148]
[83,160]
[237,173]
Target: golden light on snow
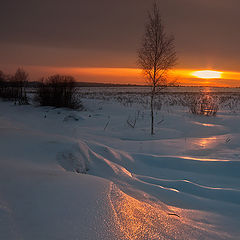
[207,74]
[139,220]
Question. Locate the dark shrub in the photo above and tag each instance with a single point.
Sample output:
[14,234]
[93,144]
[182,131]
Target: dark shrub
[58,91]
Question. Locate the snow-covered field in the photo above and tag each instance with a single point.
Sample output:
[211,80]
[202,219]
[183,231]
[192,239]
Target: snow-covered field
[91,175]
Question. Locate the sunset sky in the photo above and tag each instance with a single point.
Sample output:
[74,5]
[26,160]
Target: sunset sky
[96,41]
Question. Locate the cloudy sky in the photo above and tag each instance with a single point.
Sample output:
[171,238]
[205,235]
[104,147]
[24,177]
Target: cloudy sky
[77,35]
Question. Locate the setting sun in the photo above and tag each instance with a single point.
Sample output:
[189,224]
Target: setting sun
[207,74]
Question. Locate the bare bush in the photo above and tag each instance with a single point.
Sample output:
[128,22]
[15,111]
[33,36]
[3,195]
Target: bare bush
[132,120]
[58,91]
[204,105]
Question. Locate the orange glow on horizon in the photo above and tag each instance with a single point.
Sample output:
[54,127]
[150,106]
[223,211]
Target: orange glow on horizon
[184,77]
[119,72]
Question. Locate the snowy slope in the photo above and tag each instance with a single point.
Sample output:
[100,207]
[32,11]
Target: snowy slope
[89,175]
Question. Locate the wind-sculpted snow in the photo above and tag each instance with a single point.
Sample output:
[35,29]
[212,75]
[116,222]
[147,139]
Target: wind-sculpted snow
[230,195]
[123,167]
[99,178]
[141,220]
[196,165]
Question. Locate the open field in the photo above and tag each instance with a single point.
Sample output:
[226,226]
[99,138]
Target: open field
[225,98]
[99,174]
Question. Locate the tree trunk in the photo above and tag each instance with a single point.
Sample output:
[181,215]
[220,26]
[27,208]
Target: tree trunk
[152,111]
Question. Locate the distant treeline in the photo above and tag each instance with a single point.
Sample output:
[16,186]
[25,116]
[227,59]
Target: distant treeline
[91,84]
[56,90]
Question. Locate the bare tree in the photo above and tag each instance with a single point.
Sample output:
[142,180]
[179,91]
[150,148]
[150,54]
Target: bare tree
[20,81]
[157,55]
[2,82]
[13,87]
